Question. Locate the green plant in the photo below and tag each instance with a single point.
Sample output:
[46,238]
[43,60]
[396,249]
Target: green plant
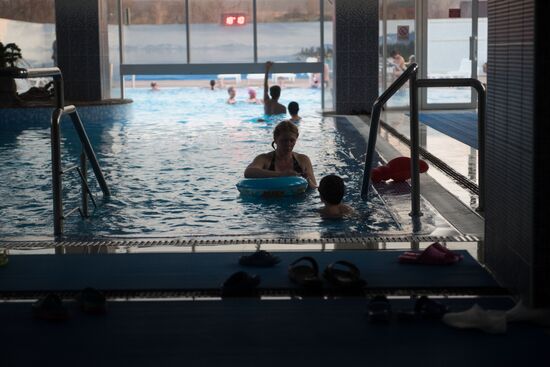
[9,54]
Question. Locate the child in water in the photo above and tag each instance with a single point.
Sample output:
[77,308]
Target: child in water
[293,109]
[331,190]
[232,94]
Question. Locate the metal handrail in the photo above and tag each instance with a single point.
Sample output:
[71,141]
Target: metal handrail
[375,122]
[59,111]
[410,74]
[481,112]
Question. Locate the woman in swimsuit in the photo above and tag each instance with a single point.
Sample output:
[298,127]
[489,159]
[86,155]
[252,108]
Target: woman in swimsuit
[282,161]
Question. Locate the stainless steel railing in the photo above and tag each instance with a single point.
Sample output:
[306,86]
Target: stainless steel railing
[410,75]
[57,171]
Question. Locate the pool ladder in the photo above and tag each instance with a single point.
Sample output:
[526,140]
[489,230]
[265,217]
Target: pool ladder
[410,75]
[87,151]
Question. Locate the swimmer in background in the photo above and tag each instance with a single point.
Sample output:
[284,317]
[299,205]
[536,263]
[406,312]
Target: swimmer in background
[252,97]
[331,190]
[232,94]
[154,86]
[212,84]
[293,109]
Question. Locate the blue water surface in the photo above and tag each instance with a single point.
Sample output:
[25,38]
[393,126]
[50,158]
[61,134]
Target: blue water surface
[172,165]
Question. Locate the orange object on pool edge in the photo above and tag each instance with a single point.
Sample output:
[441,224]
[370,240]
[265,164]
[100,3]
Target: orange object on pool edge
[398,169]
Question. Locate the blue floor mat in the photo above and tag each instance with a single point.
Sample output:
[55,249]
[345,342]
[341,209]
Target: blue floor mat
[309,332]
[207,271]
[461,126]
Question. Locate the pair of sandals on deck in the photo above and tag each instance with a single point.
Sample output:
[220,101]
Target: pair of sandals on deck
[243,284]
[435,254]
[379,310]
[341,274]
[51,307]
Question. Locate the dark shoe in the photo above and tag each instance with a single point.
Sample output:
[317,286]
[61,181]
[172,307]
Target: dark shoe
[379,310]
[50,307]
[259,258]
[241,284]
[344,274]
[305,272]
[92,301]
[427,308]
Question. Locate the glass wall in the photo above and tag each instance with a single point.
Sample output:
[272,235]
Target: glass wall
[448,36]
[221,31]
[32,29]
[154,31]
[288,30]
[396,45]
[328,8]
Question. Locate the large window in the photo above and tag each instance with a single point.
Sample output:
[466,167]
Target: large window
[396,45]
[32,29]
[221,31]
[288,30]
[154,31]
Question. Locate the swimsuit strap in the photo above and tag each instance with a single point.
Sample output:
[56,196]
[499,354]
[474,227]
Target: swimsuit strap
[296,164]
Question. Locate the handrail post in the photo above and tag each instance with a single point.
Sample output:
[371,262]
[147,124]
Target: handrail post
[481,115]
[89,152]
[375,118]
[84,178]
[415,154]
[56,173]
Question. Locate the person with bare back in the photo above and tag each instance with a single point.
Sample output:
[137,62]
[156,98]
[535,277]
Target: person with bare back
[271,95]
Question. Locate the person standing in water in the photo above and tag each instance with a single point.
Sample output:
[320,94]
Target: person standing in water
[271,103]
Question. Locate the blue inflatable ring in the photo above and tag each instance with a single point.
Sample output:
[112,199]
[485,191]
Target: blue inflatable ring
[273,186]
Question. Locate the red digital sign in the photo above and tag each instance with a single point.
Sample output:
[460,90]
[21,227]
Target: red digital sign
[233,19]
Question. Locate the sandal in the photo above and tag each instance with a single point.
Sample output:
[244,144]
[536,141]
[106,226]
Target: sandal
[50,307]
[379,310]
[349,277]
[432,255]
[259,258]
[430,309]
[92,301]
[241,284]
[306,275]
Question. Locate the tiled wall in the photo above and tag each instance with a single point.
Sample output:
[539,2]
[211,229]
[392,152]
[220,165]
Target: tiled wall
[356,47]
[514,245]
[82,48]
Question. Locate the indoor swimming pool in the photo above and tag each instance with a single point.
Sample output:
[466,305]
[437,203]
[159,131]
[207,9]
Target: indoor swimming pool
[172,160]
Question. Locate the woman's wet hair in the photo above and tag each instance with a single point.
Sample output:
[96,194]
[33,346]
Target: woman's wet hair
[285,126]
[332,189]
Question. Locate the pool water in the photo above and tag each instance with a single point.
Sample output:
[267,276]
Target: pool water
[172,165]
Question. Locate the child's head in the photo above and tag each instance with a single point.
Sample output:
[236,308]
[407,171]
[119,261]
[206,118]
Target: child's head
[331,189]
[251,93]
[275,92]
[293,108]
[232,92]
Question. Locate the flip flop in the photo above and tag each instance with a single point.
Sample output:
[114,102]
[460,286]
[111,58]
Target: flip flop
[430,309]
[50,307]
[306,275]
[379,310]
[241,284]
[92,301]
[260,258]
[444,249]
[430,256]
[348,277]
